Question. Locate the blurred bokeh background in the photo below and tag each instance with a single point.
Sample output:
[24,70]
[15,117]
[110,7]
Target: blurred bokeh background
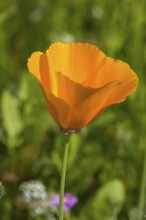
[106,159]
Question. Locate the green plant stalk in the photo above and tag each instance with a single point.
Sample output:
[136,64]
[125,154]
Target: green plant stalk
[62,185]
[142,192]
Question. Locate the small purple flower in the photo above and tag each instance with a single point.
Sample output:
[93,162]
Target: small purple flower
[69,201]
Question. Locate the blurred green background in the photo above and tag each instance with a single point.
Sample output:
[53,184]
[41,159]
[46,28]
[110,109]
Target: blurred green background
[106,159]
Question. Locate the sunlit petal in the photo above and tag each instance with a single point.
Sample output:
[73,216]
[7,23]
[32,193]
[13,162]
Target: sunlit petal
[74,60]
[34,64]
[114,70]
[38,66]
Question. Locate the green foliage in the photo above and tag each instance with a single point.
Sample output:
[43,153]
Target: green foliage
[11,117]
[106,158]
[107,202]
[2,192]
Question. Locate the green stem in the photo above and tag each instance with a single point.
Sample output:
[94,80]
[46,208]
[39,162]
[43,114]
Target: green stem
[142,193]
[62,185]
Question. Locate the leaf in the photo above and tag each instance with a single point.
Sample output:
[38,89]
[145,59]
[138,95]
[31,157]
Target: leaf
[11,116]
[113,192]
[106,203]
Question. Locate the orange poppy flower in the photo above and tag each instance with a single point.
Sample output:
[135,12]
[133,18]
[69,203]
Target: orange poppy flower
[79,81]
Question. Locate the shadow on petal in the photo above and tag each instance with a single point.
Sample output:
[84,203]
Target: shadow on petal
[57,108]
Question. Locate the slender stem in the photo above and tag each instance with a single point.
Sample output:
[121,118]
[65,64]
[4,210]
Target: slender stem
[62,185]
[142,192]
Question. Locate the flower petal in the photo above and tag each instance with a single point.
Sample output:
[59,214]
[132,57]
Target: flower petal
[57,108]
[114,70]
[75,60]
[38,66]
[84,102]
[92,106]
[117,70]
[34,64]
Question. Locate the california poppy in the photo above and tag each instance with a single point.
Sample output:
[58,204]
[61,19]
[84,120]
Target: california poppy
[79,81]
